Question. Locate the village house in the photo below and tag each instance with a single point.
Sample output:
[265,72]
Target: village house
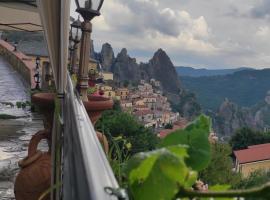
[145,115]
[155,83]
[126,104]
[122,93]
[140,108]
[253,158]
[139,102]
[107,76]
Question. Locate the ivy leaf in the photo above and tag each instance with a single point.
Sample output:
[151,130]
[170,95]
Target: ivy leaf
[158,174]
[196,137]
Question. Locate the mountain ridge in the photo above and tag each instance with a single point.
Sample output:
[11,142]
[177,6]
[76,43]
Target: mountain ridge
[193,72]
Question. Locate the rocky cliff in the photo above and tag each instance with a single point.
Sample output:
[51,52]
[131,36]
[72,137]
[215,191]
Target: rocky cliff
[125,68]
[107,57]
[159,67]
[231,117]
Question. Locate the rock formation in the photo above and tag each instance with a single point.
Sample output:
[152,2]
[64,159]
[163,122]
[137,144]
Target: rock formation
[159,67]
[107,57]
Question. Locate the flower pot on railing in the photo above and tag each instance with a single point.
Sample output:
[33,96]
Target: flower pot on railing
[45,104]
[96,105]
[35,175]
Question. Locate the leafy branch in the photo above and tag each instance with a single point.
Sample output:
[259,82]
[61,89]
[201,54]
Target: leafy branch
[262,191]
[171,171]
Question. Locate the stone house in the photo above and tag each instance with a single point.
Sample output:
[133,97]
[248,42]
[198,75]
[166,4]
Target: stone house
[253,158]
[122,93]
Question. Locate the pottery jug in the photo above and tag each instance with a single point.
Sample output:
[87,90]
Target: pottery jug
[35,175]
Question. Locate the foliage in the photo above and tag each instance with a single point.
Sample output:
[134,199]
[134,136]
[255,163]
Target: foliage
[119,123]
[246,137]
[211,91]
[91,90]
[117,105]
[168,126]
[255,179]
[158,174]
[219,170]
[126,83]
[196,137]
[118,155]
[161,173]
[5,116]
[22,104]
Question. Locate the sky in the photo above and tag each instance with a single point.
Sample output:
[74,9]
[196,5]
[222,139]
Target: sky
[198,33]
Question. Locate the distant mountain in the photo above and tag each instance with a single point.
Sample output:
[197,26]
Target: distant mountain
[159,67]
[245,88]
[231,117]
[189,71]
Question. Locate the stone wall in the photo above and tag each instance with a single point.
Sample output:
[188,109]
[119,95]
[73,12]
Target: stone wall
[20,62]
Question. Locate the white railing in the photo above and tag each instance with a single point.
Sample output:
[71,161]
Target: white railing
[86,170]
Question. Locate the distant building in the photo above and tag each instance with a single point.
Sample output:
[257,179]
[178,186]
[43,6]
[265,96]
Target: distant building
[253,158]
[123,93]
[107,76]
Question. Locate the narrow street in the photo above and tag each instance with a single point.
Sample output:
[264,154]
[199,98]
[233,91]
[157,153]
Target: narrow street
[14,133]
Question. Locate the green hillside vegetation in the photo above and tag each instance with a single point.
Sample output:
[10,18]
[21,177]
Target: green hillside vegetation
[246,88]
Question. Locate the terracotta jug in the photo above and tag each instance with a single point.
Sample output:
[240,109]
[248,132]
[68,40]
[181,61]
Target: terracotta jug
[35,175]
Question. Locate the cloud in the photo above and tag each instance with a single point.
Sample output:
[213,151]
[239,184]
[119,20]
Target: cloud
[222,33]
[264,31]
[261,10]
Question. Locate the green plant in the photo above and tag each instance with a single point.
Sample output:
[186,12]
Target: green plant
[119,123]
[170,171]
[118,155]
[168,126]
[91,90]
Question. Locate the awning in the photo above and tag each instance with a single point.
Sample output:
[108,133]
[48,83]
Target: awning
[19,15]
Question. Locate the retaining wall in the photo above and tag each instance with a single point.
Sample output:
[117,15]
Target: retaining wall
[19,61]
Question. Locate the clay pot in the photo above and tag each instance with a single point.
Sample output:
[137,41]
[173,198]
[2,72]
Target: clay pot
[35,175]
[96,105]
[45,103]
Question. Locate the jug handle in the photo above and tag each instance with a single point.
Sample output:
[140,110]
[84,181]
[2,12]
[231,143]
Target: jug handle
[35,140]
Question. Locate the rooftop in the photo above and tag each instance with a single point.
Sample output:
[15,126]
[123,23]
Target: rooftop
[253,153]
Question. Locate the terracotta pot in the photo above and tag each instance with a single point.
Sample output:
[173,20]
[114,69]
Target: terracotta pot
[35,175]
[96,105]
[45,103]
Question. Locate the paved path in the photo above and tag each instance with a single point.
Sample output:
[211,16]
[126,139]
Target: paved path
[14,134]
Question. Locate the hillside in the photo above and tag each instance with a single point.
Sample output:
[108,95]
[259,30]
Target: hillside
[190,71]
[245,88]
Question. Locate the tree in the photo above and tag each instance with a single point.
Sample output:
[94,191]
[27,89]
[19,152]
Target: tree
[126,83]
[118,123]
[245,137]
[169,126]
[219,170]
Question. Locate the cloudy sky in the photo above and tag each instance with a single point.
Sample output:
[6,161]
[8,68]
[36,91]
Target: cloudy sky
[198,33]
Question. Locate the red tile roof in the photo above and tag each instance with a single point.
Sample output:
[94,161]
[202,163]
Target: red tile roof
[253,153]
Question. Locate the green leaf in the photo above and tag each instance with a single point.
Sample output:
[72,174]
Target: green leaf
[158,174]
[196,137]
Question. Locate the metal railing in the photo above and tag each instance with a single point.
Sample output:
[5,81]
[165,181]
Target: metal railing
[86,170]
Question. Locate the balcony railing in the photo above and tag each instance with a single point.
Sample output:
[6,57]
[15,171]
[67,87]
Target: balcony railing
[86,170]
